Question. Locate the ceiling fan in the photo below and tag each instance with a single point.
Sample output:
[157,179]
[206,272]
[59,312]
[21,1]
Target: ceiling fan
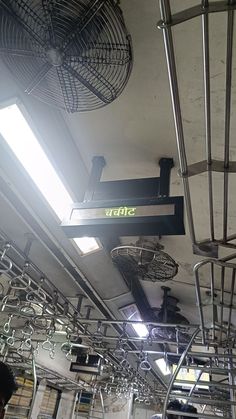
[148,263]
[75,55]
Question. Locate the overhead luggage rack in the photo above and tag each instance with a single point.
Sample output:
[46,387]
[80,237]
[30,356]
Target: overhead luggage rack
[206,246]
[216,300]
[214,277]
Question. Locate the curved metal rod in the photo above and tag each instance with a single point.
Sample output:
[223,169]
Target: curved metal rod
[220,262]
[102,404]
[34,387]
[173,378]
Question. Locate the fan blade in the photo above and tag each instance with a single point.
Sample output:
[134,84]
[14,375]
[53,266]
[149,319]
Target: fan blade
[38,77]
[86,83]
[7,7]
[48,9]
[18,52]
[68,92]
[81,25]
[114,56]
[101,79]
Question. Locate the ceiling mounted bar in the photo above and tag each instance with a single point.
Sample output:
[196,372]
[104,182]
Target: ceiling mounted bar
[207,246]
[196,11]
[229,57]
[174,376]
[170,56]
[207,106]
[199,388]
[219,302]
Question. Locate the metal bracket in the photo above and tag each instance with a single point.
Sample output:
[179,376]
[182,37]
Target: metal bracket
[208,249]
[166,164]
[146,187]
[98,163]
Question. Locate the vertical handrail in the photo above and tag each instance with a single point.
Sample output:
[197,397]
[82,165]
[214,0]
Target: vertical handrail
[214,308]
[173,81]
[199,304]
[222,300]
[207,108]
[102,404]
[231,302]
[231,382]
[34,388]
[228,94]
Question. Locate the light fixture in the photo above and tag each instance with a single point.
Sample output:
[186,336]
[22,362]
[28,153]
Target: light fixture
[140,329]
[131,312]
[163,367]
[17,133]
[87,244]
[193,375]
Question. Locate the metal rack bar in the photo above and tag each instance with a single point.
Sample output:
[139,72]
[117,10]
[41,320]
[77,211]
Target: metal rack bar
[220,325]
[194,415]
[196,11]
[207,107]
[231,386]
[200,307]
[207,247]
[72,314]
[231,302]
[131,322]
[211,402]
[222,299]
[229,55]
[173,378]
[206,383]
[214,314]
[34,387]
[173,80]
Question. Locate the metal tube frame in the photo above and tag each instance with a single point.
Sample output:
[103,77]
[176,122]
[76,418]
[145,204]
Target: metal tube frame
[220,326]
[168,20]
[173,378]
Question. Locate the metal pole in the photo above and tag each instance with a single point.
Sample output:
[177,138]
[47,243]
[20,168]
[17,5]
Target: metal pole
[231,302]
[173,378]
[222,301]
[199,304]
[207,105]
[212,402]
[193,415]
[34,388]
[74,412]
[229,56]
[102,404]
[134,322]
[231,382]
[195,384]
[173,80]
[214,309]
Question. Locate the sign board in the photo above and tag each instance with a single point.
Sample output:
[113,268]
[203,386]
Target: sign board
[129,217]
[84,364]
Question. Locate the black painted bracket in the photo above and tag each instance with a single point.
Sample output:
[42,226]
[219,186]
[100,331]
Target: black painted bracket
[166,165]
[98,163]
[127,189]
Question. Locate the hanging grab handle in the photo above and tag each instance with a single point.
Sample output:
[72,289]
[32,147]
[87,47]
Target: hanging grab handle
[5,262]
[145,364]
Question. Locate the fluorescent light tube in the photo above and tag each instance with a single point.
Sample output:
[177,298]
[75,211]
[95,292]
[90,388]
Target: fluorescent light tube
[21,139]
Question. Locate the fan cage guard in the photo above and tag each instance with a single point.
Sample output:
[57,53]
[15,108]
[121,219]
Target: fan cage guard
[74,55]
[148,264]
